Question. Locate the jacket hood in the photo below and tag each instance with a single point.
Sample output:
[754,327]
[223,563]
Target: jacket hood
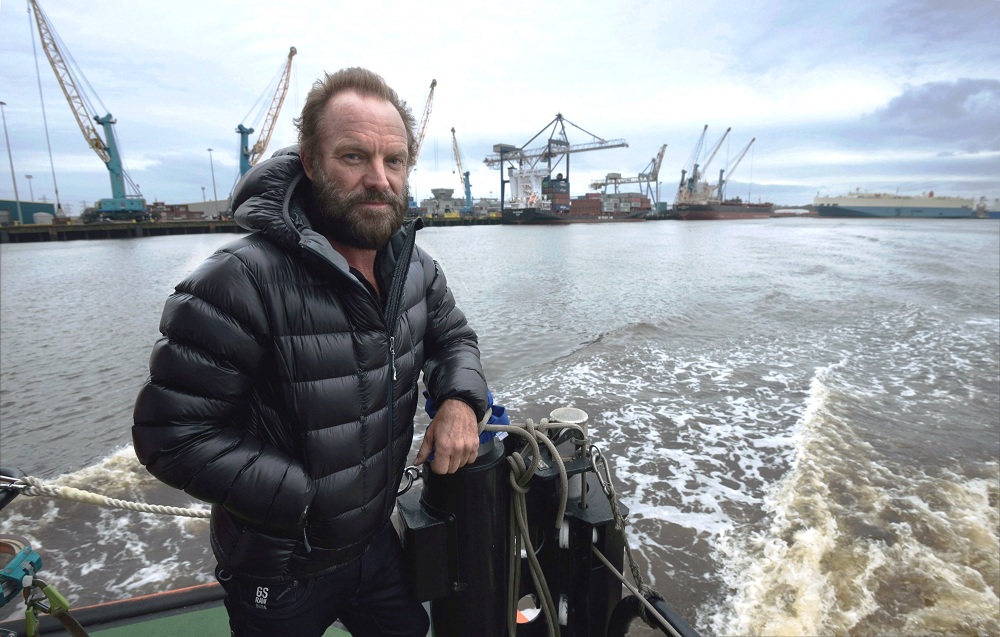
[267,198]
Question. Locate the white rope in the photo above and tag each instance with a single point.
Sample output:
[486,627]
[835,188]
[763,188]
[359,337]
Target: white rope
[37,487]
[635,591]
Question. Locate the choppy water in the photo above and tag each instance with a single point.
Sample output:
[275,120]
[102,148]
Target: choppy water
[803,414]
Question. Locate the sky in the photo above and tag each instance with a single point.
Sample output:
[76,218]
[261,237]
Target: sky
[895,96]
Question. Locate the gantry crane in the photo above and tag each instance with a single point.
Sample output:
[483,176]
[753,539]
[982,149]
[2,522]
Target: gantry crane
[121,206]
[463,174]
[728,172]
[647,178]
[250,156]
[422,128]
[522,163]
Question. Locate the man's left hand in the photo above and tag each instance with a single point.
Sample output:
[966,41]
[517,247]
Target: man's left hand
[453,437]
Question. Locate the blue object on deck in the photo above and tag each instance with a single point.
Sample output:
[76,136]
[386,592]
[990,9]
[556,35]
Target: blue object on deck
[498,415]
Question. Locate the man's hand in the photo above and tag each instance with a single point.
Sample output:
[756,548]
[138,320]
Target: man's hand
[453,437]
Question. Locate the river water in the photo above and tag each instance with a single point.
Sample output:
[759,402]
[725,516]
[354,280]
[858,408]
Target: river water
[803,415]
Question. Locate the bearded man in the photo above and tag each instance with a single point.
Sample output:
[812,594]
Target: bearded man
[284,386]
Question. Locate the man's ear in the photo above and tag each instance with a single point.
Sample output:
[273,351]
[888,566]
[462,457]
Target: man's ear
[305,165]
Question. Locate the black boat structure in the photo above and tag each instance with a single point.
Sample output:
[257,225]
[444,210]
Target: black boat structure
[531,535]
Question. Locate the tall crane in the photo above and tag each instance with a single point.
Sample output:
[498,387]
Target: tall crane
[463,174]
[689,184]
[728,172]
[250,156]
[522,163]
[647,177]
[120,206]
[422,128]
[558,146]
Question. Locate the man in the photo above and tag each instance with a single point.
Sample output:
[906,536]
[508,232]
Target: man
[284,387]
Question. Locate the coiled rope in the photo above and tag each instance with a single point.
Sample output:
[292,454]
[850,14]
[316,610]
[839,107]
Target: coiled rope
[520,475]
[29,485]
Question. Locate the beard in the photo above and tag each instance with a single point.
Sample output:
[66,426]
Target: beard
[365,230]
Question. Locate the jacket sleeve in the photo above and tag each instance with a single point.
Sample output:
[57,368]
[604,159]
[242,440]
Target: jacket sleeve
[452,368]
[191,420]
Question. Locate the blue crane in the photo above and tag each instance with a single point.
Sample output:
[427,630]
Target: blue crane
[121,206]
[251,155]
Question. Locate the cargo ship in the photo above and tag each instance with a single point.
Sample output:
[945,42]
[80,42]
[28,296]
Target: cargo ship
[988,210]
[729,209]
[699,200]
[538,216]
[548,202]
[878,204]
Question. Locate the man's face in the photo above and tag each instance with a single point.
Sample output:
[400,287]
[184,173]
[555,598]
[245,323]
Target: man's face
[359,172]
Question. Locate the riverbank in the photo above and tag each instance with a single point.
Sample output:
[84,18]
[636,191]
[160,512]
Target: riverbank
[34,233]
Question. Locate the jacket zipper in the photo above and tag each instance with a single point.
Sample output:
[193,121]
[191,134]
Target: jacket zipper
[391,316]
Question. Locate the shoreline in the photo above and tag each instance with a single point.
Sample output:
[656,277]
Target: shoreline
[35,233]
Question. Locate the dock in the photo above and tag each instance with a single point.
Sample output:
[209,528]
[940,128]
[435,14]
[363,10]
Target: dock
[34,233]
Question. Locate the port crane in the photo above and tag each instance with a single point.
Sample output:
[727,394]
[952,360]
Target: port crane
[728,172]
[522,163]
[250,156]
[422,127]
[121,206]
[711,155]
[692,187]
[463,174]
[686,189]
[646,178]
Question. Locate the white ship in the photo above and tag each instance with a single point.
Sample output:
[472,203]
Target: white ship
[865,204]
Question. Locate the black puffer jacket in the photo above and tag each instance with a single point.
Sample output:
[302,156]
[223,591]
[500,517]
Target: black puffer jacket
[284,395]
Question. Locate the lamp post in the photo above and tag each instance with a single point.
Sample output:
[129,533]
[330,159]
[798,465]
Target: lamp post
[10,157]
[215,194]
[31,191]
[203,194]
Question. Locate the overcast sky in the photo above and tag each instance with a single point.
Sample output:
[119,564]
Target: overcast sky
[882,95]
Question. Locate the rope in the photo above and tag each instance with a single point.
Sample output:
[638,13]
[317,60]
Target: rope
[598,463]
[632,589]
[36,487]
[520,477]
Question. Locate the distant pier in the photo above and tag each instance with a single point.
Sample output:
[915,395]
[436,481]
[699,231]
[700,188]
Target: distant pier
[33,233]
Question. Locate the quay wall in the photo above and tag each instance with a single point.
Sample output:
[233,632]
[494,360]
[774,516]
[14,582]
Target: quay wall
[30,233]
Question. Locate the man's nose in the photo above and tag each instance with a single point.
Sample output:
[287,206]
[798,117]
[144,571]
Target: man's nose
[376,177]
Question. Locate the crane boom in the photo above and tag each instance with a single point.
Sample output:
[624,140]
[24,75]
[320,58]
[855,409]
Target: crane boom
[68,83]
[715,150]
[422,128]
[732,167]
[655,175]
[120,205]
[463,175]
[458,156]
[250,156]
[552,150]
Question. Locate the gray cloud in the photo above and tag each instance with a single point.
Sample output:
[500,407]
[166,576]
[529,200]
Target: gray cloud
[959,116]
